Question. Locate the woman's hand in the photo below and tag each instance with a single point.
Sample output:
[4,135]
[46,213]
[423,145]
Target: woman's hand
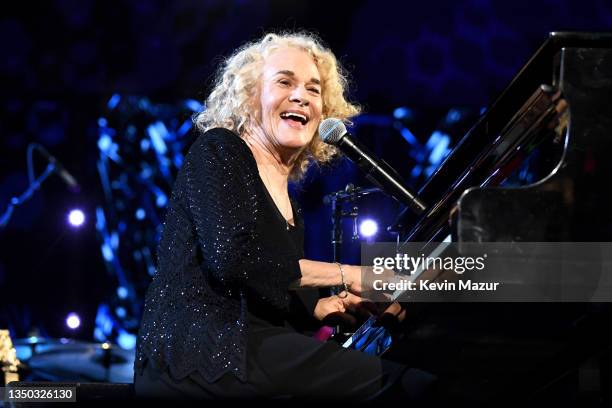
[357,305]
[327,306]
[341,304]
[332,311]
[365,308]
[352,275]
[360,281]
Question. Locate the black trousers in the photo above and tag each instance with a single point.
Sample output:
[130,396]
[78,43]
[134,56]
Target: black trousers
[282,363]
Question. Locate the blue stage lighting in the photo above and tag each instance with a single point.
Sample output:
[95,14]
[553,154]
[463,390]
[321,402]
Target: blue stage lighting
[73,321]
[120,312]
[157,133]
[403,113]
[161,200]
[107,252]
[368,228]
[126,340]
[122,292]
[113,101]
[76,218]
[193,105]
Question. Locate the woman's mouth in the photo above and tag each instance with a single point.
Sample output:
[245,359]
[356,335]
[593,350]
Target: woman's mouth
[295,119]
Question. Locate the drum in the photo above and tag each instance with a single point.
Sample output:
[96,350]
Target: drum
[72,360]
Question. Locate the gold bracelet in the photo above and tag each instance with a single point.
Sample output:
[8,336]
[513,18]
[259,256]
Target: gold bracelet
[344,285]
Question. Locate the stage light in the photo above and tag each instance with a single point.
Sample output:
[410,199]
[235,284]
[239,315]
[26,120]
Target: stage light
[126,340]
[193,105]
[157,133]
[105,143]
[161,200]
[73,321]
[122,292]
[120,312]
[368,228]
[403,113]
[107,252]
[113,101]
[76,218]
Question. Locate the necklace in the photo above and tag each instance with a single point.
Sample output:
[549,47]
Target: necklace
[269,186]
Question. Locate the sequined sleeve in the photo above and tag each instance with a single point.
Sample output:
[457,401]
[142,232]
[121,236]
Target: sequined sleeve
[222,197]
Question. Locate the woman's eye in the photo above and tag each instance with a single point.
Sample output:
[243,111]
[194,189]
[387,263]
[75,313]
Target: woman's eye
[315,90]
[284,82]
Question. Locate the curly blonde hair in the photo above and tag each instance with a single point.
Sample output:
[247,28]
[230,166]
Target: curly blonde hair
[230,103]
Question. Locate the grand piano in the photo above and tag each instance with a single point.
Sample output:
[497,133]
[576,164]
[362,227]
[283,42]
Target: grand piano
[535,168]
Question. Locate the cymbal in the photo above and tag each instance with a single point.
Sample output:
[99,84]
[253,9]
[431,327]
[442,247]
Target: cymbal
[26,347]
[40,340]
[57,360]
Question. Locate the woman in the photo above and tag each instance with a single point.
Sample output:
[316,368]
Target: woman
[219,315]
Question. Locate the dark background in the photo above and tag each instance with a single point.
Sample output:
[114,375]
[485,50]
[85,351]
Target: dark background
[62,60]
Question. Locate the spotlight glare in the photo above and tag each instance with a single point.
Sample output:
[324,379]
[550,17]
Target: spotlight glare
[73,321]
[76,218]
[126,340]
[368,228]
[120,312]
[122,292]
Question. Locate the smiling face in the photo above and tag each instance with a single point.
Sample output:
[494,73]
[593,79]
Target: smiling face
[290,98]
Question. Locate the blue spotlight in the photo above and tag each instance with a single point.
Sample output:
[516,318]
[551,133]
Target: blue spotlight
[126,340]
[122,292]
[403,113]
[73,321]
[113,101]
[140,214]
[161,199]
[368,228]
[120,311]
[76,218]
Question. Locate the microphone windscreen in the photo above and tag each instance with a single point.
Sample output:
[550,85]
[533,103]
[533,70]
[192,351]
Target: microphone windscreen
[331,130]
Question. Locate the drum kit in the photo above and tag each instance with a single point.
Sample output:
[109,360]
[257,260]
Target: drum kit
[64,359]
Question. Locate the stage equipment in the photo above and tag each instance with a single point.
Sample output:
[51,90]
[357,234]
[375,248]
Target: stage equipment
[534,168]
[141,146]
[35,182]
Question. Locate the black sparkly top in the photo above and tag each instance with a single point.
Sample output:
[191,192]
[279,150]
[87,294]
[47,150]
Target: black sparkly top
[224,254]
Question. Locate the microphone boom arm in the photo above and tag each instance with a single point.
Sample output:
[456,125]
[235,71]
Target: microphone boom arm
[363,159]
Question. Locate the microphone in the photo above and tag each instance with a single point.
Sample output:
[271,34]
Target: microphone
[59,169]
[333,131]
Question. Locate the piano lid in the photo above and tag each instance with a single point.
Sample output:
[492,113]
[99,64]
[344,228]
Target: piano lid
[539,70]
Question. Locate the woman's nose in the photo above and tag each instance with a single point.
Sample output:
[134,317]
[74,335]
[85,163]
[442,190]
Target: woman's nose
[299,95]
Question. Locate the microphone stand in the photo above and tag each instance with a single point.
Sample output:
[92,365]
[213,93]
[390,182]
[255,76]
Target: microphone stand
[34,183]
[336,242]
[16,201]
[336,200]
[350,193]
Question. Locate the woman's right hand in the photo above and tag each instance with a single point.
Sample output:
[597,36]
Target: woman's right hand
[327,306]
[353,279]
[343,309]
[355,275]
